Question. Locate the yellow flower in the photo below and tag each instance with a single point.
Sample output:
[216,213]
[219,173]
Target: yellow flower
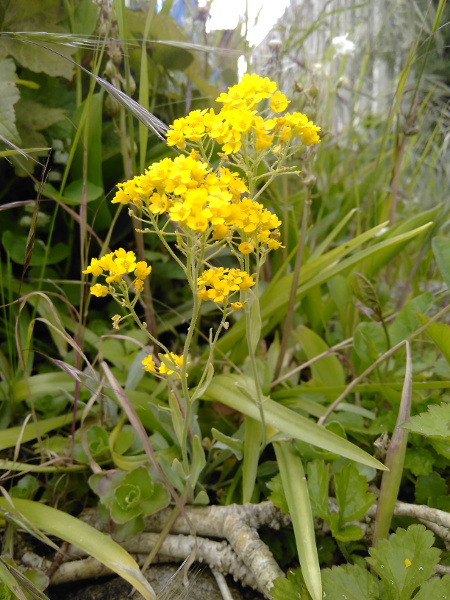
[95,268]
[138,285]
[408,563]
[236,305]
[279,102]
[99,290]
[149,364]
[246,248]
[247,282]
[115,321]
[171,359]
[142,270]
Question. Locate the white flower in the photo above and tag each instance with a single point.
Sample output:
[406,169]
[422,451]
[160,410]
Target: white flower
[342,45]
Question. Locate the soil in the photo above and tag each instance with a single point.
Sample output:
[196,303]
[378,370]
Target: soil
[202,586]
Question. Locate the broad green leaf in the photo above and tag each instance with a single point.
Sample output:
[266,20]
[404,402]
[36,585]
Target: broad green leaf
[440,334]
[441,249]
[103,548]
[419,461]
[349,581]
[435,589]
[296,490]
[288,588]
[9,95]
[16,244]
[73,193]
[347,533]
[328,369]
[434,423]
[405,561]
[278,496]
[351,494]
[9,437]
[223,389]
[42,18]
[407,320]
[369,341]
[429,487]
[318,485]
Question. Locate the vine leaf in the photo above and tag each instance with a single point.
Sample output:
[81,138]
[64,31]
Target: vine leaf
[349,581]
[404,562]
[434,423]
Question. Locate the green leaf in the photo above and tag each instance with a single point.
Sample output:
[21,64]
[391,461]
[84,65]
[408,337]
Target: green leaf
[288,588]
[9,437]
[275,298]
[328,369]
[252,448]
[223,389]
[318,484]
[87,538]
[198,460]
[296,490]
[434,423]
[351,494]
[441,249]
[16,245]
[369,341]
[278,497]
[348,533]
[429,487]
[43,17]
[435,589]
[226,442]
[407,320]
[387,559]
[349,581]
[9,95]
[440,334]
[419,461]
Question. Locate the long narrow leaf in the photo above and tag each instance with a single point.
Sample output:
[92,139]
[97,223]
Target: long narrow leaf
[296,491]
[223,389]
[85,537]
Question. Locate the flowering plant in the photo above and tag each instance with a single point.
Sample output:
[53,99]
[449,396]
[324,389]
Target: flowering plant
[199,205]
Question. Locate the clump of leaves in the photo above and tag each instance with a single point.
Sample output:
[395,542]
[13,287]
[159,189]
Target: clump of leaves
[126,498]
[400,565]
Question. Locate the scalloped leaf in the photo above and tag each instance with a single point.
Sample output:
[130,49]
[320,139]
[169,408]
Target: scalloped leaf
[434,423]
[438,589]
[405,561]
[349,581]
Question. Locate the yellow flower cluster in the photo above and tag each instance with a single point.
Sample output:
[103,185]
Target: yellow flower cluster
[238,118]
[221,283]
[171,360]
[197,198]
[117,263]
